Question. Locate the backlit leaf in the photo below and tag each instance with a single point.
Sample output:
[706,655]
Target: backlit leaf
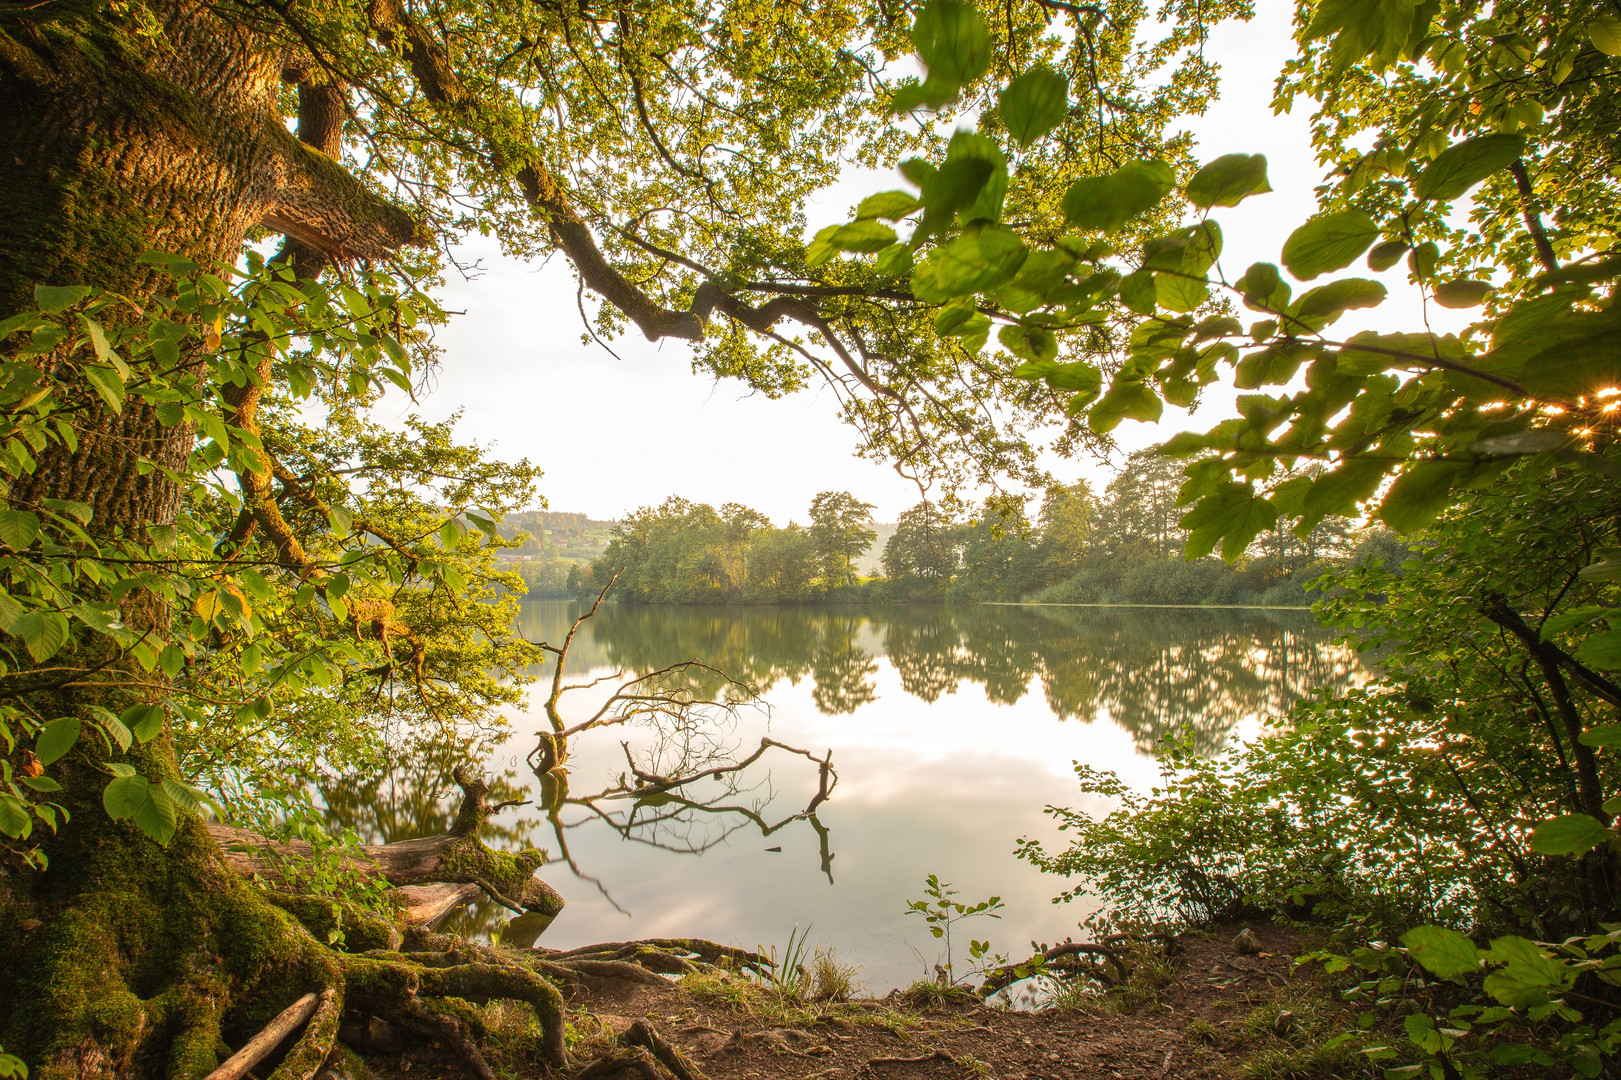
[1228,180]
[1462,294]
[1574,834]
[890,205]
[952,40]
[1330,242]
[1461,166]
[1109,201]
[1033,104]
[1605,34]
[1442,951]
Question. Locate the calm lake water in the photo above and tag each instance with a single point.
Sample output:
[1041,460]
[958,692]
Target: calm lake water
[950,730]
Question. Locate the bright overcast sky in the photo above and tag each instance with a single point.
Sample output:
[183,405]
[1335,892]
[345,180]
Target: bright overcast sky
[616,434]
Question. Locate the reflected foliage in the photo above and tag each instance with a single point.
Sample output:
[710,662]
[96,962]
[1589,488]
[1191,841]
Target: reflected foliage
[1189,672]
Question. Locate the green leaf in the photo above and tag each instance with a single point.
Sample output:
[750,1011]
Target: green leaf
[1228,180]
[14,819]
[1106,202]
[969,264]
[115,728]
[1033,104]
[890,205]
[144,721]
[1573,834]
[1422,259]
[147,804]
[1602,736]
[103,348]
[1527,977]
[450,534]
[1125,401]
[1420,493]
[19,529]
[1602,651]
[54,299]
[1078,375]
[123,795]
[1460,167]
[1263,288]
[42,783]
[1571,618]
[1139,292]
[951,317]
[1272,366]
[1029,342]
[108,385]
[1462,294]
[1324,304]
[1385,255]
[56,739]
[953,41]
[1443,952]
[184,795]
[895,260]
[931,93]
[954,185]
[863,235]
[1331,242]
[1605,34]
[1179,292]
[1233,514]
[43,632]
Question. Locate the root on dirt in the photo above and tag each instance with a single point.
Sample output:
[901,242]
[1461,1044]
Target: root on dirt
[165,963]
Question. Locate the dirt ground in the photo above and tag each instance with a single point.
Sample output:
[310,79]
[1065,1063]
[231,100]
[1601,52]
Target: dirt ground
[1212,1012]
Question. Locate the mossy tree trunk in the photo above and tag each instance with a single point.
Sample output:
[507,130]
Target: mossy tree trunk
[160,130]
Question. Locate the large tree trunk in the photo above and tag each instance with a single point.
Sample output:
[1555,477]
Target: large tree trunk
[118,136]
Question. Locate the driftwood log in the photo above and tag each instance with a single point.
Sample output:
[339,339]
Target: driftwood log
[434,875]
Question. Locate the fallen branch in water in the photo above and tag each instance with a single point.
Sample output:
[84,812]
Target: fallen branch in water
[1062,959]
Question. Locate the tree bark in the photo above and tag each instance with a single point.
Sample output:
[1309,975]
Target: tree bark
[156,128]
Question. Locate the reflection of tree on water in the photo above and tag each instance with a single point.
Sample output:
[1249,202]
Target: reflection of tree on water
[1152,671]
[1191,673]
[687,791]
[675,800]
[843,670]
[417,796]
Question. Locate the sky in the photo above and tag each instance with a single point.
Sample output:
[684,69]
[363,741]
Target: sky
[614,434]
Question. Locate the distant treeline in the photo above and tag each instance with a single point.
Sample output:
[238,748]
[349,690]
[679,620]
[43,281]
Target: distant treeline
[1121,546]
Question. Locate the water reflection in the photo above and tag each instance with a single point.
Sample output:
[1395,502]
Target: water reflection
[1155,672]
[951,729]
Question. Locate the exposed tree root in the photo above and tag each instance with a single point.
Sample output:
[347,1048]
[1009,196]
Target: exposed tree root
[156,964]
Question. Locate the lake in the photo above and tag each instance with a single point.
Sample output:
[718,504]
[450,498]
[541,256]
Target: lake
[950,729]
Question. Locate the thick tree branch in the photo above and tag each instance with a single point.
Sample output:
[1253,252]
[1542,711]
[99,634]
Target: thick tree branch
[1589,787]
[1530,210]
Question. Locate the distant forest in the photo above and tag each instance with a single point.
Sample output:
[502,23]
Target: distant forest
[1123,545]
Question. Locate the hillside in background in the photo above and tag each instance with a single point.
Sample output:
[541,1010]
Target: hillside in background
[557,541]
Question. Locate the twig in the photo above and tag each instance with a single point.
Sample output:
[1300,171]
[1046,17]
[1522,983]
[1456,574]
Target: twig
[494,894]
[259,1047]
[938,1055]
